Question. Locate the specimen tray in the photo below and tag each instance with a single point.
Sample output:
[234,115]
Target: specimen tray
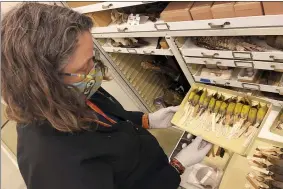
[234,145]
[238,168]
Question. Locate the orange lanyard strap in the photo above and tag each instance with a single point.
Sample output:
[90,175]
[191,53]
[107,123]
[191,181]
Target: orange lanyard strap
[102,123]
[99,111]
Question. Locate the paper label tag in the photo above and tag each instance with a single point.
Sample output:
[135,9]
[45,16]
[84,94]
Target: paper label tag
[134,20]
[242,55]
[205,80]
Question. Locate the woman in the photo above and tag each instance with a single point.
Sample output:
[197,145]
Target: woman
[71,133]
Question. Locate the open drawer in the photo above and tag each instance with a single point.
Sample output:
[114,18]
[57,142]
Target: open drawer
[264,52]
[218,134]
[227,23]
[261,65]
[150,47]
[232,81]
[239,167]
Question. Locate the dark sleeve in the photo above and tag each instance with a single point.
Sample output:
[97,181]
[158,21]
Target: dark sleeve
[162,180]
[97,175]
[135,117]
[167,178]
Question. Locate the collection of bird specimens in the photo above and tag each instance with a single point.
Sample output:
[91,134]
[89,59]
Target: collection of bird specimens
[279,123]
[277,127]
[240,43]
[267,168]
[222,118]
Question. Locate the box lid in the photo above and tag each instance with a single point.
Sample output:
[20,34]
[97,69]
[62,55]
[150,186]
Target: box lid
[177,7]
[74,4]
[201,5]
[221,4]
[247,5]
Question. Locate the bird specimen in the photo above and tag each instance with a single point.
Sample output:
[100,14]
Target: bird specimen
[247,72]
[206,109]
[228,119]
[275,41]
[214,112]
[216,73]
[200,104]
[193,100]
[172,98]
[226,43]
[231,117]
[270,78]
[175,84]
[127,42]
[262,110]
[279,124]
[267,168]
[156,66]
[239,119]
[118,17]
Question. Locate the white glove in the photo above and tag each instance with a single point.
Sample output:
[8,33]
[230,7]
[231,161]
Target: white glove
[161,119]
[194,153]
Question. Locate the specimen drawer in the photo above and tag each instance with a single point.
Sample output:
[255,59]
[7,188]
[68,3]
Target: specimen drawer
[238,145]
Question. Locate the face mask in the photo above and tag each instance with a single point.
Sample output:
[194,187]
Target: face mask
[91,83]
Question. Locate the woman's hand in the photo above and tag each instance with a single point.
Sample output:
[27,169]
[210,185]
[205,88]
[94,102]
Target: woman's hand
[161,119]
[194,153]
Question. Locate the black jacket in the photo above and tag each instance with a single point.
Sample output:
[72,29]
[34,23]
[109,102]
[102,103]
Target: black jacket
[125,156]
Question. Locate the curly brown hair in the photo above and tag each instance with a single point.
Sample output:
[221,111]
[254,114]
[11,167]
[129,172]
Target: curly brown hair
[36,40]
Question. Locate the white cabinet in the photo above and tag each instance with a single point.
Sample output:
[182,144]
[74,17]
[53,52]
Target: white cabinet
[229,23]
[224,27]
[107,6]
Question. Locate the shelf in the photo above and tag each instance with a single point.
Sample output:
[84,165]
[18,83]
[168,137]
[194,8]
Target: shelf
[190,50]
[212,32]
[149,26]
[239,84]
[107,6]
[255,25]
[233,82]
[147,50]
[261,65]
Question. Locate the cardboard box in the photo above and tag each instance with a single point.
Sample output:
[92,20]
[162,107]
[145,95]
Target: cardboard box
[177,11]
[101,18]
[74,4]
[271,8]
[201,10]
[244,9]
[222,9]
